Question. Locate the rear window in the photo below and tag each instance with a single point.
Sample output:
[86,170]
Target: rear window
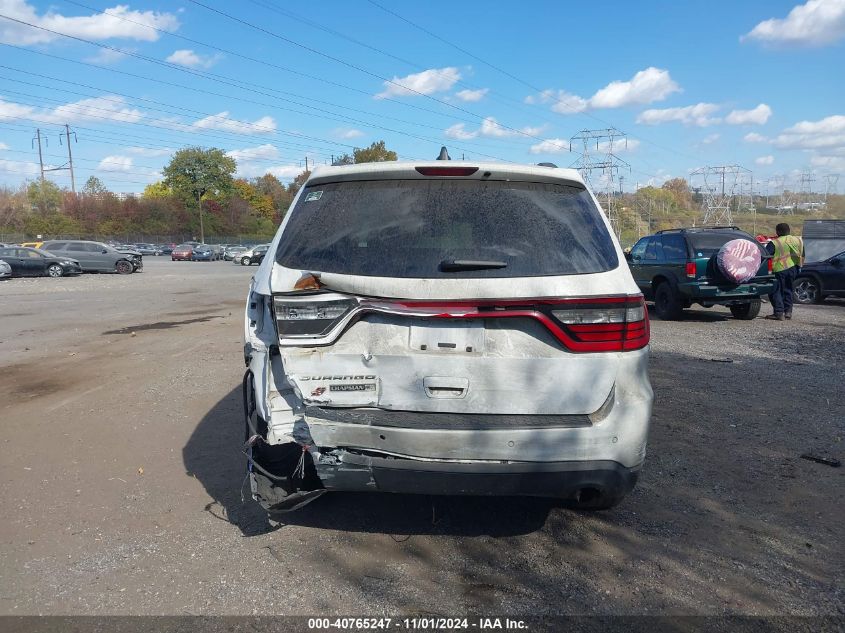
[407,228]
[709,243]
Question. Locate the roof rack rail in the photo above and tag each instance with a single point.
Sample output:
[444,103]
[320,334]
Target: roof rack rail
[698,228]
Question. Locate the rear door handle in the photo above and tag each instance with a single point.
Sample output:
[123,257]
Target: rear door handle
[445,387]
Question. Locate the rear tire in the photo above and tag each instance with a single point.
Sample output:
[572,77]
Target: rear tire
[746,311]
[667,303]
[124,267]
[54,270]
[807,291]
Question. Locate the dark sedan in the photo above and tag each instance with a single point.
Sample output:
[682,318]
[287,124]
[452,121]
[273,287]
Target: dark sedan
[818,280]
[34,262]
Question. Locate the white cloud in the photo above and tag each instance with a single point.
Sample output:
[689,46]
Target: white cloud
[105,56]
[459,132]
[765,160]
[187,57]
[491,127]
[117,22]
[426,82]
[698,115]
[107,107]
[348,133]
[566,103]
[753,137]
[646,86]
[261,152]
[471,96]
[711,138]
[828,133]
[756,116]
[146,151]
[816,23]
[832,163]
[18,167]
[115,163]
[10,111]
[3,146]
[221,121]
[550,146]
[284,172]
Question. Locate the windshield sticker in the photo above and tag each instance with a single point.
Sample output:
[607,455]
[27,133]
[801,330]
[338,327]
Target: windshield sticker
[313,196]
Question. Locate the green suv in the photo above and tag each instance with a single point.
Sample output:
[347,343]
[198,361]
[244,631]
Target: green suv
[678,267]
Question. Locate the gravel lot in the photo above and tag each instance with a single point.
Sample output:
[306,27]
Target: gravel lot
[121,478]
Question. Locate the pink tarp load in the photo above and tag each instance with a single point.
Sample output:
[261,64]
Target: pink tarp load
[739,260]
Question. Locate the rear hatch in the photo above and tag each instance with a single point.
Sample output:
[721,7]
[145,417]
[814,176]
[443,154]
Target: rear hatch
[705,247]
[463,295]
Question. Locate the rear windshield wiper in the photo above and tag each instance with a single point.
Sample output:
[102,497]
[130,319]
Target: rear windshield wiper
[455,265]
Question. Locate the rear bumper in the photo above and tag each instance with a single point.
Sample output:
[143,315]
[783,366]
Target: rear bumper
[696,291]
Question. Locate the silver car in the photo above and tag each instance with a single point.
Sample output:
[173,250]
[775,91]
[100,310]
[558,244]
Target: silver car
[445,328]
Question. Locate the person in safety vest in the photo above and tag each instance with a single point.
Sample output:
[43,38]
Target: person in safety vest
[787,258]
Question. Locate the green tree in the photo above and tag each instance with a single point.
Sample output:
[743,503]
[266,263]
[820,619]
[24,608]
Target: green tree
[45,196]
[346,159]
[259,203]
[195,172]
[375,153]
[94,187]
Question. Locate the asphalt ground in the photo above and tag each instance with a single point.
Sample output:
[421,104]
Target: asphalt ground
[123,487]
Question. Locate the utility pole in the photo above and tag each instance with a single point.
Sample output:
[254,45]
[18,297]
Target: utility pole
[40,158]
[199,204]
[70,156]
[306,163]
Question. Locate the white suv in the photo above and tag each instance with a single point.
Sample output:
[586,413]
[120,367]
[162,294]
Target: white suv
[445,328]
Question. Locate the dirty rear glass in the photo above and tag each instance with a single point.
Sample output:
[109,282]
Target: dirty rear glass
[407,228]
[707,244]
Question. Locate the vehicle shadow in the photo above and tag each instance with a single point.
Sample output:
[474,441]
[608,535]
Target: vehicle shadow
[212,455]
[691,315]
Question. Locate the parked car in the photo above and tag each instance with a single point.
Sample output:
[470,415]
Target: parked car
[148,249]
[818,280]
[166,249]
[216,251]
[35,262]
[97,256]
[182,253]
[446,329]
[254,255]
[233,251]
[677,268]
[32,244]
[5,269]
[203,253]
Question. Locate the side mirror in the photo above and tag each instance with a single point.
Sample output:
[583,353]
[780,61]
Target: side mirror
[105,251]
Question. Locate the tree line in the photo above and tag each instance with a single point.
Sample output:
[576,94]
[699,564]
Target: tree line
[198,194]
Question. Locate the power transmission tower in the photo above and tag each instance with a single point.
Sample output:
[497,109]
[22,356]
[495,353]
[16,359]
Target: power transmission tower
[831,180]
[722,187]
[604,160]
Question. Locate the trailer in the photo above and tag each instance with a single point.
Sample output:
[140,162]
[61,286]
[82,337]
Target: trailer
[823,239]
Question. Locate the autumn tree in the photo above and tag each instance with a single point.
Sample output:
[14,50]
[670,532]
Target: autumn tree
[375,153]
[157,190]
[194,172]
[44,195]
[94,187]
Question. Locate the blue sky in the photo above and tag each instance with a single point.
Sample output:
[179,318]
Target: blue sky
[756,83]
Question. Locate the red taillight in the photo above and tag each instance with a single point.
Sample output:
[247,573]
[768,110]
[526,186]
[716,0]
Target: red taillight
[593,324]
[769,264]
[588,324]
[447,171]
[691,270]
